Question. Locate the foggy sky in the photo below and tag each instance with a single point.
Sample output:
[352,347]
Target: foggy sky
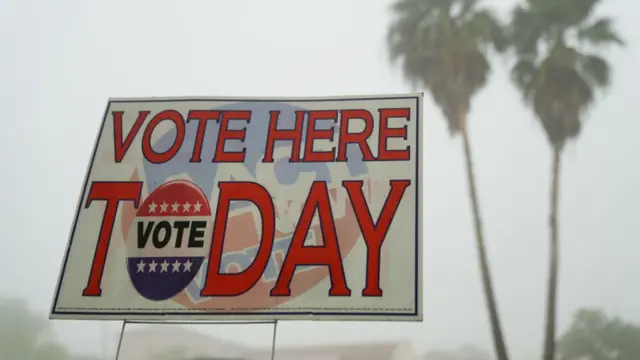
[62,60]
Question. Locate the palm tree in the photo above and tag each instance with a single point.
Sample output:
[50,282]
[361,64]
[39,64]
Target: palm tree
[442,45]
[558,70]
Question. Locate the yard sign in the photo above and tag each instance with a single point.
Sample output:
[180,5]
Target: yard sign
[249,208]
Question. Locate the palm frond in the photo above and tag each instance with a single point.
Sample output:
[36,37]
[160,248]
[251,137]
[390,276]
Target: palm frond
[600,32]
[482,27]
[562,13]
[403,6]
[596,70]
[524,75]
[525,31]
[406,40]
[466,8]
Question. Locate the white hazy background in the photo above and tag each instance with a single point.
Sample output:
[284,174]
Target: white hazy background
[61,60]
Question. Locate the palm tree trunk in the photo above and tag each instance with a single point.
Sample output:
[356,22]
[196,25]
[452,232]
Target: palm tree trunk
[496,329]
[554,259]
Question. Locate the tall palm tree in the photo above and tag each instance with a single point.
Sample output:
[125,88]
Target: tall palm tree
[558,71]
[442,45]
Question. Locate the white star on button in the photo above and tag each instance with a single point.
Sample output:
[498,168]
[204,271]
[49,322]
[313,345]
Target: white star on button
[152,266]
[187,266]
[175,207]
[152,207]
[164,267]
[186,207]
[141,265]
[197,206]
[176,266]
[163,207]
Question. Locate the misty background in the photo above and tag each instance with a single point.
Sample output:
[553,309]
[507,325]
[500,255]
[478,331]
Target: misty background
[61,60]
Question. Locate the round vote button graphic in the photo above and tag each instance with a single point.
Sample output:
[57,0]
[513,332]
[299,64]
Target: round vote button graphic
[168,240]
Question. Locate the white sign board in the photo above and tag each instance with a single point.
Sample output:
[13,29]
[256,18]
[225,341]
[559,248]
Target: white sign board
[249,208]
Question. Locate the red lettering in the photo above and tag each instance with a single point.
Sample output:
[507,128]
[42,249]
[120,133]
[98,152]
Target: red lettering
[149,153]
[218,284]
[121,146]
[226,134]
[374,233]
[314,134]
[327,254]
[385,154]
[356,138]
[203,117]
[276,134]
[113,193]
